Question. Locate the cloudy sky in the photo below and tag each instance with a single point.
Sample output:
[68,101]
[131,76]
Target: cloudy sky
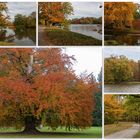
[25,8]
[88,59]
[86,9]
[131,53]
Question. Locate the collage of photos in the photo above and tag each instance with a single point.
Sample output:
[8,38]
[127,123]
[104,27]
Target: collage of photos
[70,69]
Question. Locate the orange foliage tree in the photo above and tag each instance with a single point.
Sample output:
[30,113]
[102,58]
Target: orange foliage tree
[54,12]
[119,15]
[40,87]
[114,109]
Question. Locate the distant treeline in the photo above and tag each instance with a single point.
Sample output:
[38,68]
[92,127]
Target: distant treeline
[25,21]
[86,20]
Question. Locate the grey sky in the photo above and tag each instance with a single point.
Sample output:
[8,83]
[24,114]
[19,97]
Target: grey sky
[131,53]
[86,9]
[88,59]
[25,8]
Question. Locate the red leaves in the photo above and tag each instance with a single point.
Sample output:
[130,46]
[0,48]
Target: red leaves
[50,88]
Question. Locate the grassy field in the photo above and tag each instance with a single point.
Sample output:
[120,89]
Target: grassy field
[112,128]
[65,37]
[93,132]
[137,135]
[6,44]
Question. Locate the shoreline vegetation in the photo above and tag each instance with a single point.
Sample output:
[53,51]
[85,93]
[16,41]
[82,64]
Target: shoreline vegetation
[57,36]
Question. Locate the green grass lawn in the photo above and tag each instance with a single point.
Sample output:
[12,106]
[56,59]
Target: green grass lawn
[66,37]
[137,135]
[112,128]
[93,132]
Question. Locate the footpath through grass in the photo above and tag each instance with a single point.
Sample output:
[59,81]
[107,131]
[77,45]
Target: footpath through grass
[112,128]
[93,132]
[66,37]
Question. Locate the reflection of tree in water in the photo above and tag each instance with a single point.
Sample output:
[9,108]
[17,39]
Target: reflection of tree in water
[4,37]
[128,39]
[25,33]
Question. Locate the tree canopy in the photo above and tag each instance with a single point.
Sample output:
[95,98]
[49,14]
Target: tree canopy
[40,87]
[119,15]
[54,12]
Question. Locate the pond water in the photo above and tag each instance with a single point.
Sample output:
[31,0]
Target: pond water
[126,39]
[20,37]
[132,88]
[93,30]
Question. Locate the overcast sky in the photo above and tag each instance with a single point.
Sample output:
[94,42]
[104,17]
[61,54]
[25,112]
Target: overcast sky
[86,9]
[88,59]
[131,53]
[25,8]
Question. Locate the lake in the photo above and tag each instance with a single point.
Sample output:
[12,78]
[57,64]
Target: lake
[125,39]
[92,30]
[20,37]
[129,88]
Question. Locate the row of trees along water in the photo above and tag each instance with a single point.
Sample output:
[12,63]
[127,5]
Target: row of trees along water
[119,69]
[42,89]
[122,108]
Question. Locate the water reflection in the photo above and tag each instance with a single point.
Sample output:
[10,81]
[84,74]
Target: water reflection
[121,88]
[21,36]
[93,30]
[126,39]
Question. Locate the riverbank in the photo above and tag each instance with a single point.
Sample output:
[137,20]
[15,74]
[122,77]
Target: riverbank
[122,37]
[65,37]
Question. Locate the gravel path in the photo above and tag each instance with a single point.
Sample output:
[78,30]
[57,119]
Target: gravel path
[127,133]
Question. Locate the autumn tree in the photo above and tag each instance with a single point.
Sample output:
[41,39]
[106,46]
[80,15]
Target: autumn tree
[132,108]
[3,15]
[118,69]
[54,12]
[40,87]
[113,107]
[119,15]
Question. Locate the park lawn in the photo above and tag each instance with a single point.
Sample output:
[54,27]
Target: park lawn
[93,132]
[112,128]
[66,37]
[137,135]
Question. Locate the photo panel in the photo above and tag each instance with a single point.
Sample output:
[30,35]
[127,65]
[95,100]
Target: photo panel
[122,70]
[17,23]
[51,92]
[69,24]
[122,23]
[121,116]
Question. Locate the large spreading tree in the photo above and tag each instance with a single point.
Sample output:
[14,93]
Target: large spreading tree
[40,87]
[54,12]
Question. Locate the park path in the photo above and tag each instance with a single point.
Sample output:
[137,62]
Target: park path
[127,133]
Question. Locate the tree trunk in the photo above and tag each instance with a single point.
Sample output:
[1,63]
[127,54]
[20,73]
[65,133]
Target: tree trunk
[30,125]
